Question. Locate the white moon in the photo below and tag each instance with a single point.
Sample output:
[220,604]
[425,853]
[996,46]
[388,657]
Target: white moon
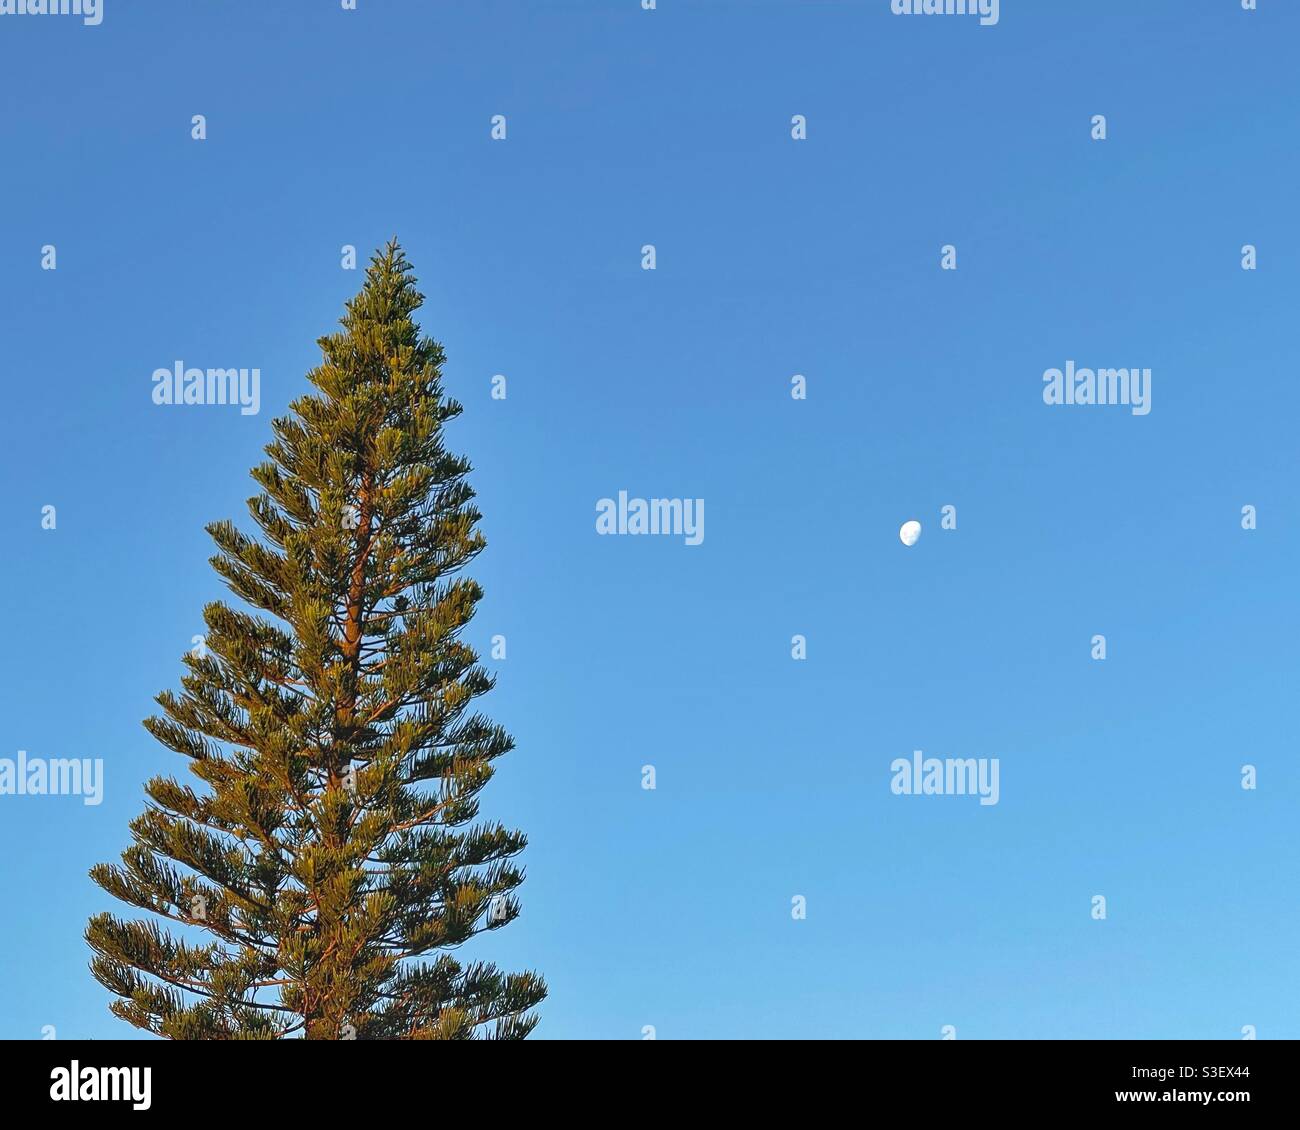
[909,532]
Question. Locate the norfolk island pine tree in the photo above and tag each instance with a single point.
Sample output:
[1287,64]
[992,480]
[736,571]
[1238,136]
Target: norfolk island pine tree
[331,854]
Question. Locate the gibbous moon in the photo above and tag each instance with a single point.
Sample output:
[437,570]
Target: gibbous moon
[909,532]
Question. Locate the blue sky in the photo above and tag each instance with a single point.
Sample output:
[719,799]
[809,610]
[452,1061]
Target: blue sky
[672,907]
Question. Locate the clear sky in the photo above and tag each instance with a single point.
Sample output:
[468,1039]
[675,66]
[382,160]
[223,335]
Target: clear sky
[821,257]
